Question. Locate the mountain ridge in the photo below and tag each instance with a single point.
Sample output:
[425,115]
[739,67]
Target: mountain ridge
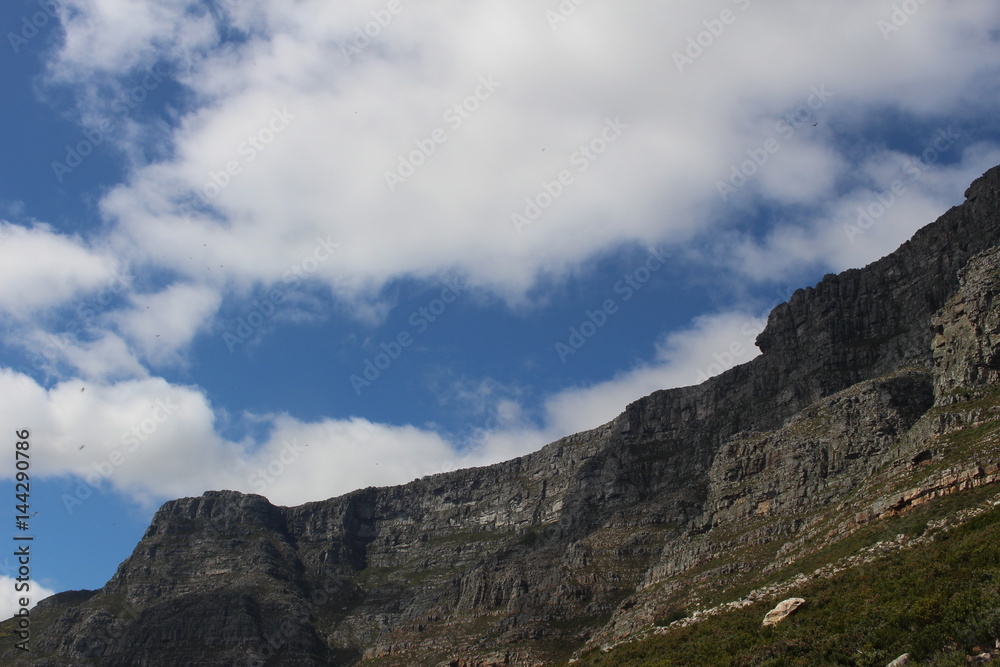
[586,541]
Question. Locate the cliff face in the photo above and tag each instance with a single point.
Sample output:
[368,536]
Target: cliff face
[966,343]
[689,493]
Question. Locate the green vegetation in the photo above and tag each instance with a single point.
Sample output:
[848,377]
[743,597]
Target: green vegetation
[910,524]
[939,602]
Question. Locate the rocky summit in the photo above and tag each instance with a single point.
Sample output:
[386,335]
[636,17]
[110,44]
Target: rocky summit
[876,399]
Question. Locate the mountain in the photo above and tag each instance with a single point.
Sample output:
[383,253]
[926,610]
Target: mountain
[876,399]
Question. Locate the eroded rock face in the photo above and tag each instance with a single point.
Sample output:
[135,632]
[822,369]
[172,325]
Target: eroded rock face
[594,536]
[966,341]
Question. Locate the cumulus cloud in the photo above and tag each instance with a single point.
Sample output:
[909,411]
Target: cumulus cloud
[152,440]
[49,268]
[294,129]
[105,358]
[902,193]
[10,598]
[162,323]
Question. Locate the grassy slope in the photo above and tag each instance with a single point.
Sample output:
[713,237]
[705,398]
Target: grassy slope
[938,601]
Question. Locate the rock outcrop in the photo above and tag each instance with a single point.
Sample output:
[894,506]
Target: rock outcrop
[783,610]
[966,344]
[863,383]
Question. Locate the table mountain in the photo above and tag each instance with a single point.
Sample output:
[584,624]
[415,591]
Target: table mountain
[876,393]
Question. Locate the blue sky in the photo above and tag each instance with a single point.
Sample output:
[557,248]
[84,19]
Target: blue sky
[298,248]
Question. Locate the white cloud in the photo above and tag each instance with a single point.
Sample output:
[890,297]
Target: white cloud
[349,119]
[304,462]
[151,440]
[111,36]
[10,599]
[47,268]
[105,357]
[904,193]
[804,173]
[165,322]
[145,438]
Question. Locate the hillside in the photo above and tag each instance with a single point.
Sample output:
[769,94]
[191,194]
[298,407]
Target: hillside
[862,438]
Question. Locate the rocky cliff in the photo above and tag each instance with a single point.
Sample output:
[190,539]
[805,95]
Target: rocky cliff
[860,407]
